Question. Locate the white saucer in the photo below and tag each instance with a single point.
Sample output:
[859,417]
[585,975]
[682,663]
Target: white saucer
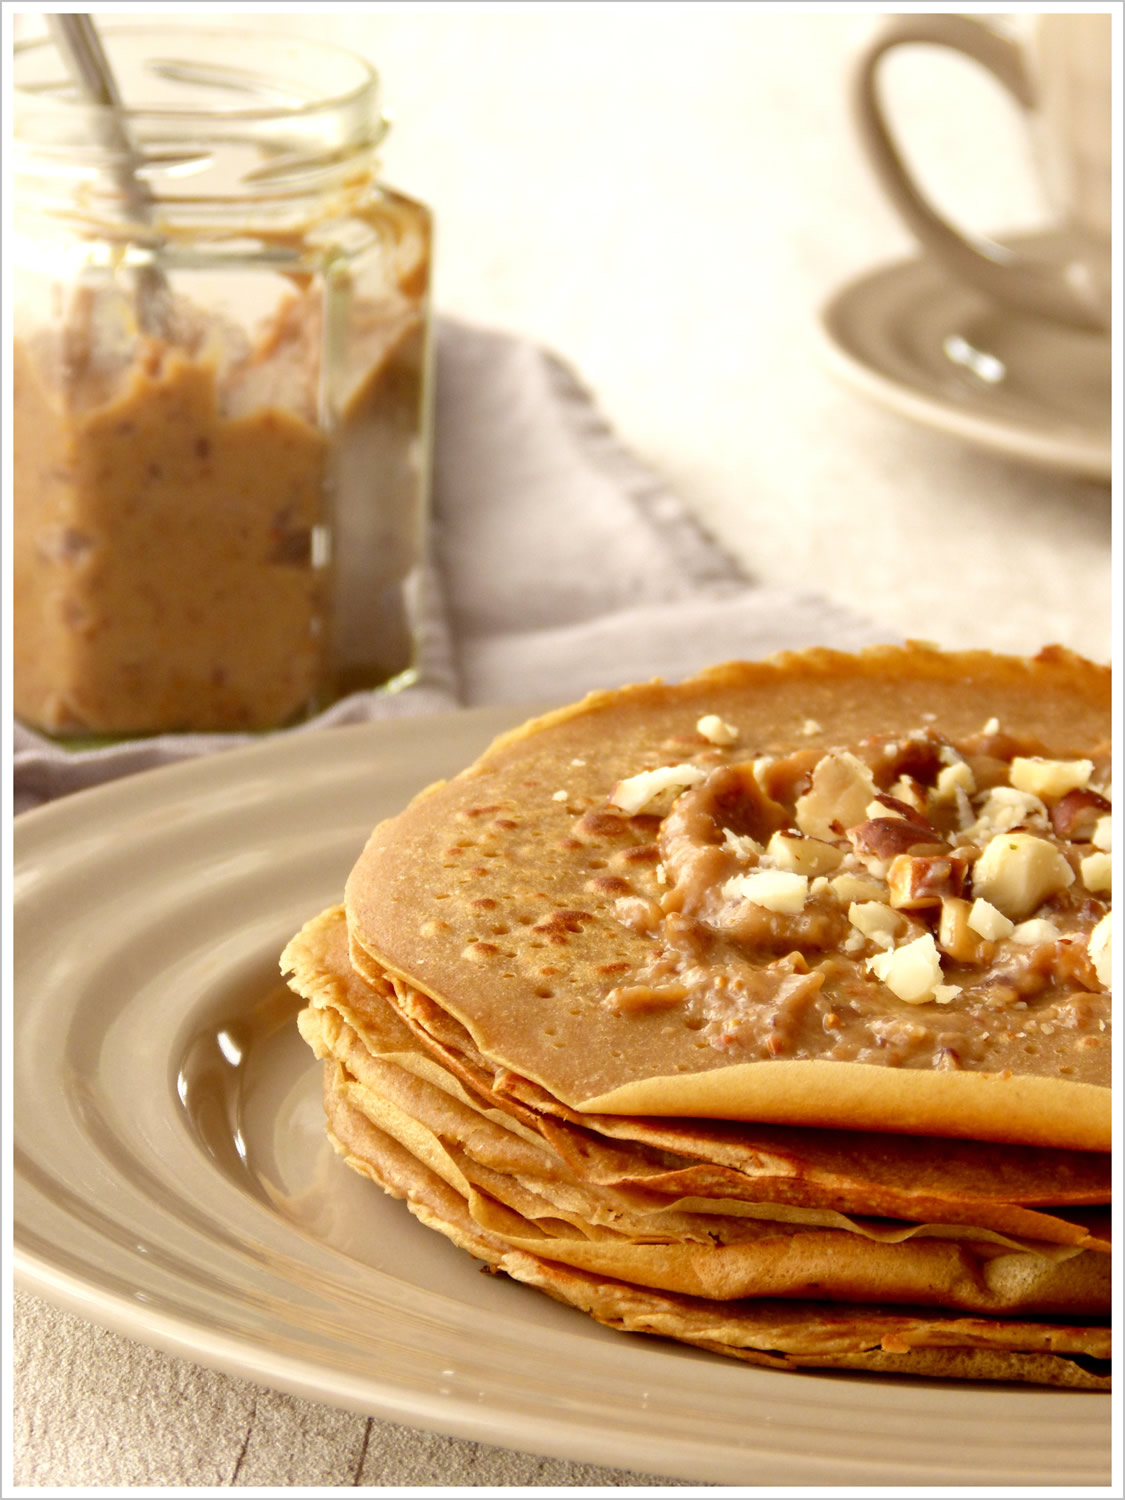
[911,338]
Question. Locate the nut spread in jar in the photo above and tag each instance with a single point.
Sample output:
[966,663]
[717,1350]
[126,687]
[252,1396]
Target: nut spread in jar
[172,530]
[221,388]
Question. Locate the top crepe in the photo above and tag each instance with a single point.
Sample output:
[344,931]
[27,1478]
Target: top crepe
[622,961]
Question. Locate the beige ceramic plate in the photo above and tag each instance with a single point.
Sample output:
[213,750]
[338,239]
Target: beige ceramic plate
[911,338]
[172,1180]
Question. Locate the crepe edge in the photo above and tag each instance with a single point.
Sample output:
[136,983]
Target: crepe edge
[918,1343]
[1023,1109]
[909,658]
[1010,1109]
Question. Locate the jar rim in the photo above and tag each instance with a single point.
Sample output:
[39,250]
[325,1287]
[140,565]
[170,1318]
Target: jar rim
[59,94]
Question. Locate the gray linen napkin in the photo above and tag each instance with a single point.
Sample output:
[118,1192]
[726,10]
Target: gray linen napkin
[559,564]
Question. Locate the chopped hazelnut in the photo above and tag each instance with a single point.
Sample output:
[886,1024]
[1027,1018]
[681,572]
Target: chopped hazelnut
[636,792]
[957,938]
[1078,815]
[741,844]
[856,888]
[875,919]
[837,798]
[943,994]
[776,890]
[910,792]
[1100,949]
[911,972]
[921,880]
[1004,808]
[1018,871]
[959,774]
[806,856]
[988,922]
[1097,871]
[1049,778]
[885,838]
[717,730]
[1034,931]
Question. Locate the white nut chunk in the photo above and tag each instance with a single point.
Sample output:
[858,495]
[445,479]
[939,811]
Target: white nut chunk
[837,798]
[949,778]
[1100,949]
[987,921]
[1004,808]
[717,730]
[776,890]
[742,845]
[857,888]
[1016,873]
[803,855]
[907,790]
[912,972]
[1034,931]
[1049,778]
[1097,871]
[876,920]
[636,792]
[956,937]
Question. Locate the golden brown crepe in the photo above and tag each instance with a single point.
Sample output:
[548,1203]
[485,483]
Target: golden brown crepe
[525,904]
[768,1012]
[784,1335]
[758,1255]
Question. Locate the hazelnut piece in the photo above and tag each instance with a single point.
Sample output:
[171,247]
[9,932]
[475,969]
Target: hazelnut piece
[1017,872]
[1100,949]
[920,880]
[911,972]
[957,938]
[837,797]
[805,856]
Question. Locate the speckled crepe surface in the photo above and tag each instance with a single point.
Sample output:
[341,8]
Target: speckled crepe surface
[451,895]
[532,494]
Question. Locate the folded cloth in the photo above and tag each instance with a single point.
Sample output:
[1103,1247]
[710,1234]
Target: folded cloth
[558,563]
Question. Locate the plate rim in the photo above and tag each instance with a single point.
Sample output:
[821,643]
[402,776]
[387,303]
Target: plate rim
[551,1434]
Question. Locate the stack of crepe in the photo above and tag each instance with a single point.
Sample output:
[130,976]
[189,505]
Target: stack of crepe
[499,1053]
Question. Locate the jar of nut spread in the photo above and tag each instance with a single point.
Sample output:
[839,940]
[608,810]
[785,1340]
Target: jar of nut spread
[220,388]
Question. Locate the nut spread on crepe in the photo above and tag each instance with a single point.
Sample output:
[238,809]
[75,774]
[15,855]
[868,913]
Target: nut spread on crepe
[657,964]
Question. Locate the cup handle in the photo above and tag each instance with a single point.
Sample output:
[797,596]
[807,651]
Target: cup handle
[1039,287]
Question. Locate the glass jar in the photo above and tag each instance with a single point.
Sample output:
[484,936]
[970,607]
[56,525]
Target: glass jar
[221,388]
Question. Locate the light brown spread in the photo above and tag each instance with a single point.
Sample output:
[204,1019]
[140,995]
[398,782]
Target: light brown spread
[177,498]
[915,903]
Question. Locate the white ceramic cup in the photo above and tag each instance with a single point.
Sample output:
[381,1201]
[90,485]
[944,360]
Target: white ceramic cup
[1062,77]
